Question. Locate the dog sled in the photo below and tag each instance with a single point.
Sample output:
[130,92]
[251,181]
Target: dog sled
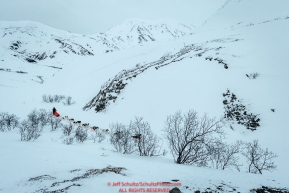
[56,114]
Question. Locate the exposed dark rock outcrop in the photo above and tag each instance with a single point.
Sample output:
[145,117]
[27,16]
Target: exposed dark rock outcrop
[267,189]
[236,111]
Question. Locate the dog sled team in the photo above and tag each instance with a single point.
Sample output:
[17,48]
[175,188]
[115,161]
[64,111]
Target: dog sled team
[78,123]
[135,137]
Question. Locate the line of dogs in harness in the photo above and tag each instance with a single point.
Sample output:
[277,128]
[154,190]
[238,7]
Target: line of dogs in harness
[135,137]
[85,125]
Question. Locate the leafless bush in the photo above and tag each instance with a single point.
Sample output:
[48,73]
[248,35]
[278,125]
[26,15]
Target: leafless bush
[189,136]
[43,117]
[68,101]
[120,138]
[40,117]
[33,119]
[148,142]
[258,159]
[164,153]
[80,135]
[2,125]
[45,98]
[253,75]
[224,156]
[68,140]
[97,136]
[12,121]
[67,129]
[55,122]
[8,121]
[58,98]
[29,130]
[51,98]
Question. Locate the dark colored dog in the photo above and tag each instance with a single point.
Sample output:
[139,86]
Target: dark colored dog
[136,137]
[94,128]
[85,125]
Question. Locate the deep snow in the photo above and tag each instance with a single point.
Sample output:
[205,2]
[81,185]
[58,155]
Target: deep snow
[192,83]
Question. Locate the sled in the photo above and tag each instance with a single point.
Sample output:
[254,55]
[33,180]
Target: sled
[56,114]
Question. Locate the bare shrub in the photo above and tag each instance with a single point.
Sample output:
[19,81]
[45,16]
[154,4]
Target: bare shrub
[45,98]
[80,134]
[33,118]
[43,117]
[189,136]
[55,122]
[29,130]
[148,142]
[51,98]
[12,121]
[58,98]
[68,101]
[8,121]
[67,129]
[40,117]
[258,159]
[224,156]
[97,136]
[68,140]
[2,125]
[120,138]
[253,75]
[164,152]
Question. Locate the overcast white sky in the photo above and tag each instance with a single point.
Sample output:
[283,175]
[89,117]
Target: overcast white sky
[93,16]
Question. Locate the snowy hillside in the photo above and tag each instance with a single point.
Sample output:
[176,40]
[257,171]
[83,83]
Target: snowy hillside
[96,16]
[33,42]
[148,69]
[135,32]
[241,13]
[41,46]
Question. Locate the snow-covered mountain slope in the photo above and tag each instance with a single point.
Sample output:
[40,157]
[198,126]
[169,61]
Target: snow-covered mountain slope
[34,42]
[135,32]
[240,13]
[95,16]
[191,72]
[41,46]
